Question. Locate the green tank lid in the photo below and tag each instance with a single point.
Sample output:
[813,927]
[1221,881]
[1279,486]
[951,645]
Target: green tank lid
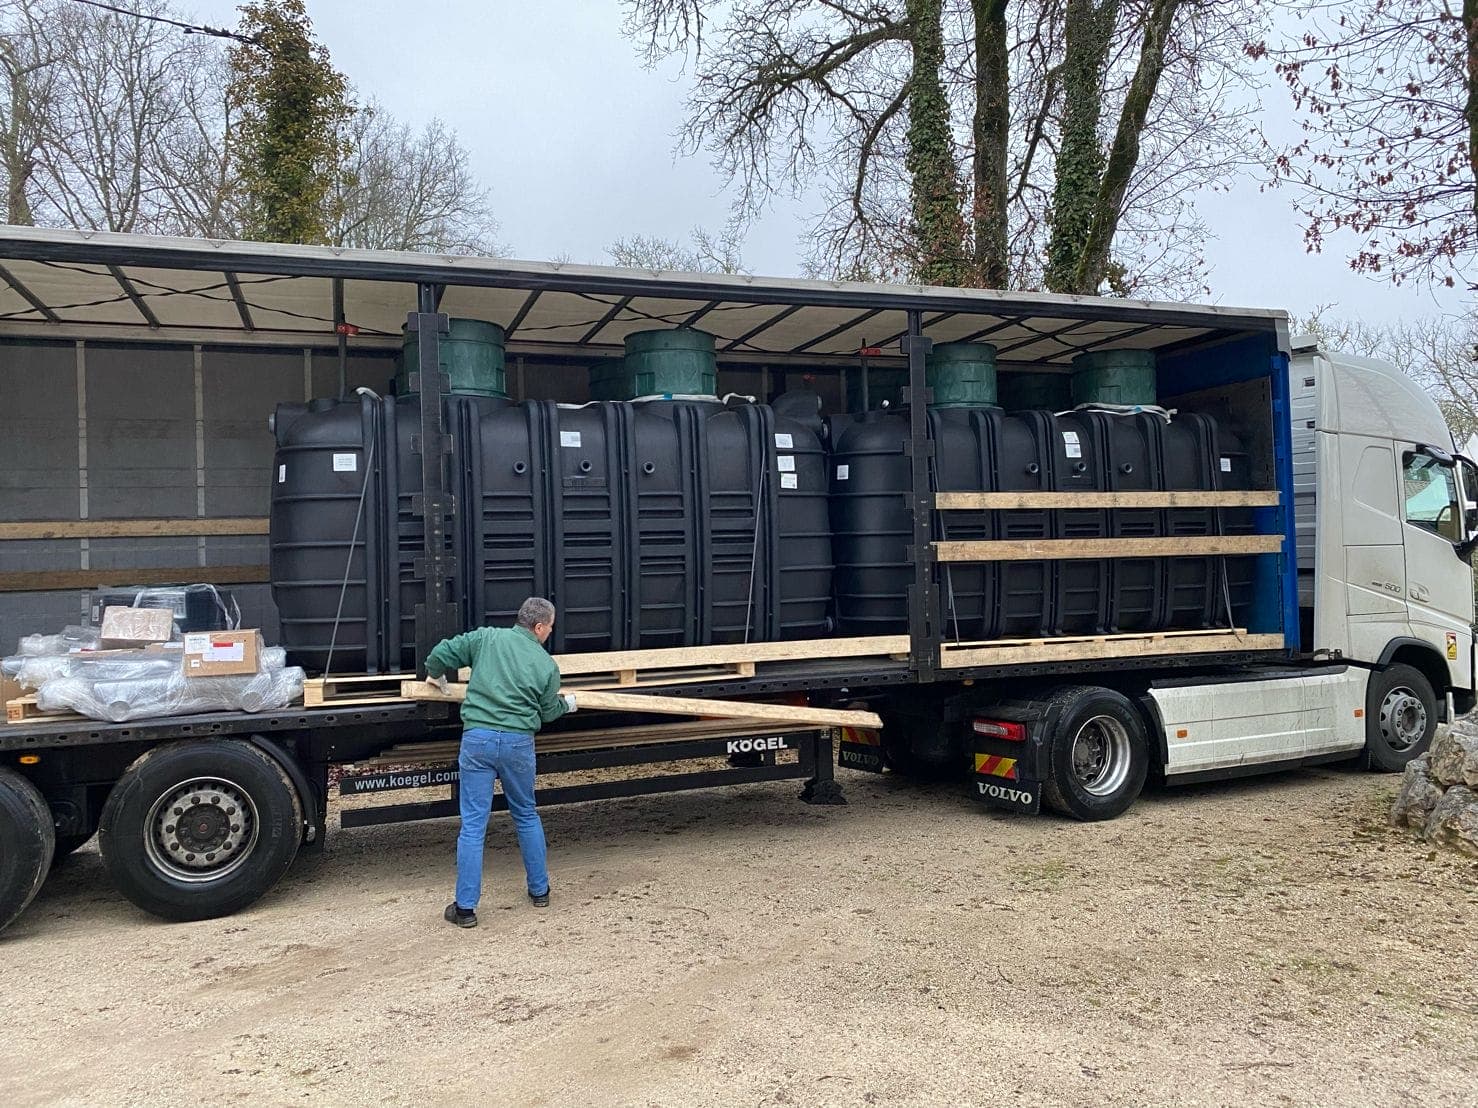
[885,384]
[1114,377]
[608,380]
[675,362]
[1021,392]
[471,357]
[962,375]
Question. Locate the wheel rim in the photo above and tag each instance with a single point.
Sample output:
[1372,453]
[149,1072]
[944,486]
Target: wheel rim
[201,830]
[1403,719]
[1100,756]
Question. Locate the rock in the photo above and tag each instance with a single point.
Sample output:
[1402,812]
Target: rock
[1454,822]
[1454,756]
[1417,796]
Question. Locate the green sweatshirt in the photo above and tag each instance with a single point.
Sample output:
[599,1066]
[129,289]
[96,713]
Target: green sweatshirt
[514,685]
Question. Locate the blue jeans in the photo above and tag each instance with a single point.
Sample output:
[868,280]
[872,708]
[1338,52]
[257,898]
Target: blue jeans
[509,757]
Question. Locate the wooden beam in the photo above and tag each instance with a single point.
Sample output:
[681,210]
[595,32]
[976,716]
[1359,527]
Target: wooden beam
[676,657]
[1031,550]
[1008,501]
[1109,646]
[678,706]
[133,528]
[67,579]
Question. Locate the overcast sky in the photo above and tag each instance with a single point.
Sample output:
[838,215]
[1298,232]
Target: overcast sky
[576,140]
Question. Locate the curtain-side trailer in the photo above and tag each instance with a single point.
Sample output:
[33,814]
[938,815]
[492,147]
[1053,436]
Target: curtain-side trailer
[1353,527]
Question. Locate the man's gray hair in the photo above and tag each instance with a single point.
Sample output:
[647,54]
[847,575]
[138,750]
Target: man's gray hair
[535,610]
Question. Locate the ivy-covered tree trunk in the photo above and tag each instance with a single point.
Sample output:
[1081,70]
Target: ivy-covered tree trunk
[992,133]
[1087,32]
[938,225]
[293,103]
[1093,260]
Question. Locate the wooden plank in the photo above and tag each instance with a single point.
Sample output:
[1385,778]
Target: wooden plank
[732,653]
[1199,633]
[67,579]
[1007,501]
[677,706]
[1020,550]
[133,528]
[1125,646]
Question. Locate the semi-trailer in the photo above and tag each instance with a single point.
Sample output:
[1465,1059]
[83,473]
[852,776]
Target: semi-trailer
[1329,567]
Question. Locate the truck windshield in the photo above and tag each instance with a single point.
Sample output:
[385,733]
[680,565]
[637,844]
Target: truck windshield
[1430,491]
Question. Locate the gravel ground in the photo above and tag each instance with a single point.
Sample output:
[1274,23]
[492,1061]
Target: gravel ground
[1260,942]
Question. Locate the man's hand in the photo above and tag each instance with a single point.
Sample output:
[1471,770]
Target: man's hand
[441,684]
[569,699]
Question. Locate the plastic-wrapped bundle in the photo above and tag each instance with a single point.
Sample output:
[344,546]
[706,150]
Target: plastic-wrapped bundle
[174,694]
[71,638]
[114,665]
[95,666]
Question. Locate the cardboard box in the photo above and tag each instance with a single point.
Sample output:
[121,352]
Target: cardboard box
[222,653]
[10,689]
[133,627]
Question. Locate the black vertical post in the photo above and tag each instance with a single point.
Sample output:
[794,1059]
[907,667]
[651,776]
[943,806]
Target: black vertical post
[922,603]
[435,617]
[339,322]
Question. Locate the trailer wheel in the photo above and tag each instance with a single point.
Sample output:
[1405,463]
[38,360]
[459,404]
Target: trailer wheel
[197,830]
[1098,751]
[27,840]
[1400,717]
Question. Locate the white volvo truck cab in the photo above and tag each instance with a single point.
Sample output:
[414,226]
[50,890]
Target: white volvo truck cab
[1385,532]
[1386,526]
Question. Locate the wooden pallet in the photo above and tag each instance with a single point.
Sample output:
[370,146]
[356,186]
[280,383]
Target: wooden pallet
[628,669]
[348,692]
[1093,647]
[686,665]
[24,709]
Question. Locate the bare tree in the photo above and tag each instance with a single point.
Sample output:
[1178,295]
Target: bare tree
[952,138]
[28,54]
[405,190]
[705,253]
[119,98]
[1387,91]
[1440,352]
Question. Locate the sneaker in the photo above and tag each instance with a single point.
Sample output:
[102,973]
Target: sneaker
[540,900]
[464,917]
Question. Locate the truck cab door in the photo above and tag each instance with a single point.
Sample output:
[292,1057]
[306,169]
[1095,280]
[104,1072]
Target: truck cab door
[1439,580]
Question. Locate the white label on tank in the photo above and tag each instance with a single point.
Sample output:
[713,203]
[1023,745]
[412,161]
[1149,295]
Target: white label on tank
[1070,445]
[1226,465]
[843,472]
[345,463]
[783,442]
[786,462]
[787,481]
[569,438]
[282,473]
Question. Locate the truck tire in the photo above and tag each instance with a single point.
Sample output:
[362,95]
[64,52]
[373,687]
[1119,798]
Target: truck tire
[1400,717]
[1098,753]
[196,830]
[27,840]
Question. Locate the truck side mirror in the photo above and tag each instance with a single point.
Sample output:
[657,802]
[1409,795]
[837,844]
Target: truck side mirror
[1469,493]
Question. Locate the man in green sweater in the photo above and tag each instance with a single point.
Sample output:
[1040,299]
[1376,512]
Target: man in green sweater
[514,690]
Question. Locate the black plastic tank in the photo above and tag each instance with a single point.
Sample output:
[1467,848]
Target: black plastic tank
[979,447]
[665,523]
